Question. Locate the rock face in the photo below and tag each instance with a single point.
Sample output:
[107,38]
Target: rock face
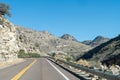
[45,42]
[8,42]
[68,37]
[106,52]
[96,42]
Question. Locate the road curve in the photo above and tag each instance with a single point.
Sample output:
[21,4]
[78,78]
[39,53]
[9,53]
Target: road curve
[42,69]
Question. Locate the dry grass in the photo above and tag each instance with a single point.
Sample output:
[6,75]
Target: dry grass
[95,64]
[83,62]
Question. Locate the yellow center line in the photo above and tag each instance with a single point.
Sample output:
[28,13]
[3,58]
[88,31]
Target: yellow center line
[23,71]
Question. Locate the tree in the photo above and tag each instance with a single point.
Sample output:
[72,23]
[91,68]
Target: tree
[4,9]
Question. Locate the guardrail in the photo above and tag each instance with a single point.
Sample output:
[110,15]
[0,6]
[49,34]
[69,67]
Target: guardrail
[92,71]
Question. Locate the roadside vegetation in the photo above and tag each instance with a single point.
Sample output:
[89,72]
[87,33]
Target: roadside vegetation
[22,54]
[4,9]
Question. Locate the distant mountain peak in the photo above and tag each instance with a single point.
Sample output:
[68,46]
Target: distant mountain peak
[68,37]
[96,42]
[98,38]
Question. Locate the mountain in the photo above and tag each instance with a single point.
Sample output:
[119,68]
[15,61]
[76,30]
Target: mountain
[68,37]
[97,41]
[44,42]
[108,51]
[8,40]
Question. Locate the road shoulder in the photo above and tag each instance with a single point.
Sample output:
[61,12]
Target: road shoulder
[10,63]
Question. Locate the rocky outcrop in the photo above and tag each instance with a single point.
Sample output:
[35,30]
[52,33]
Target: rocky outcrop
[8,42]
[44,42]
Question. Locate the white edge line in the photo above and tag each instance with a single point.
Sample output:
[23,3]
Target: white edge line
[66,78]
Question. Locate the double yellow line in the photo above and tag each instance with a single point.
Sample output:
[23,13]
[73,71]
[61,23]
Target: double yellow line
[23,71]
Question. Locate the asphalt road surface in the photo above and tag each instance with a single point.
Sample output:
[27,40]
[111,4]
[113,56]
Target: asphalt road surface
[35,69]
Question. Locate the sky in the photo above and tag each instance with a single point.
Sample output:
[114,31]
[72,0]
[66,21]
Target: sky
[83,19]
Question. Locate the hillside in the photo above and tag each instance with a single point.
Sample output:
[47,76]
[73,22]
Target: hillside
[44,42]
[105,51]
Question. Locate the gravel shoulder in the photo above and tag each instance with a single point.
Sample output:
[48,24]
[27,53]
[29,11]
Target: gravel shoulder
[10,63]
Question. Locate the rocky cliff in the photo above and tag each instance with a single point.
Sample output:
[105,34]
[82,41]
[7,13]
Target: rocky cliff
[8,42]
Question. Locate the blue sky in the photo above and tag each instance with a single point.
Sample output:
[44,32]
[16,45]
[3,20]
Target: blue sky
[84,19]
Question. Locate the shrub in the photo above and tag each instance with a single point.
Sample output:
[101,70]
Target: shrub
[22,54]
[69,59]
[51,54]
[33,55]
[4,9]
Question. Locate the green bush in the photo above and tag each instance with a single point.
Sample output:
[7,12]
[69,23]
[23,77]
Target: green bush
[69,58]
[22,54]
[51,54]
[34,55]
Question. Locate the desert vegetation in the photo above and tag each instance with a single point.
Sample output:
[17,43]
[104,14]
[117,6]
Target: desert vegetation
[22,54]
[4,9]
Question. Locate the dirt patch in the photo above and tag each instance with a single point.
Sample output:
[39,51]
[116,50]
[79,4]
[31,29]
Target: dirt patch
[10,63]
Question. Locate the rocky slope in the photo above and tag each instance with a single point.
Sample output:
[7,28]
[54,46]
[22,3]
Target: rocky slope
[45,42]
[96,42]
[68,37]
[106,51]
[8,42]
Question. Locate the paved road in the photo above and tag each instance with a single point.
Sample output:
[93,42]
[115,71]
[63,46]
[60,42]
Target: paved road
[41,69]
